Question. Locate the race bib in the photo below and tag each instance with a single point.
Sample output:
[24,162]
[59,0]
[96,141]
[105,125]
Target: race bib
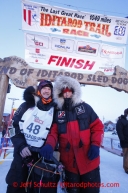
[35,124]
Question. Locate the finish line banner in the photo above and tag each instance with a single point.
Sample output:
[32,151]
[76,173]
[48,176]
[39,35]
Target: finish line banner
[39,17]
[73,55]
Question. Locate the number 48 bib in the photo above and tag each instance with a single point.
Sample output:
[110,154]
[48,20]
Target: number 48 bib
[35,124]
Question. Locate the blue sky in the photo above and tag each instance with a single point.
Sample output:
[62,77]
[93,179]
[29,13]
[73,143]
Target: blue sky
[107,102]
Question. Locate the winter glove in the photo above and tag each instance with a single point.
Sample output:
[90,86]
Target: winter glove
[93,152]
[25,152]
[47,152]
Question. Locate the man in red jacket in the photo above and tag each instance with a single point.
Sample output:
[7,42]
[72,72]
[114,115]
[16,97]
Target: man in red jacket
[79,132]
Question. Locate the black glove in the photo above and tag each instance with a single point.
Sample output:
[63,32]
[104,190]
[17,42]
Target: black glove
[29,97]
[47,152]
[93,152]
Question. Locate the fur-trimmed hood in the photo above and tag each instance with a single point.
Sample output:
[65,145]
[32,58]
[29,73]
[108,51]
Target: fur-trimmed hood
[62,82]
[30,97]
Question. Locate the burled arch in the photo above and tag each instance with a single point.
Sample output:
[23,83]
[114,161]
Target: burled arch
[23,75]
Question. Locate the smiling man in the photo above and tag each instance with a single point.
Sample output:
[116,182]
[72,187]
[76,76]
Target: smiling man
[32,122]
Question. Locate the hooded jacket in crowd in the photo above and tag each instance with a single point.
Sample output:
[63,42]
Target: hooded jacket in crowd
[122,130]
[76,126]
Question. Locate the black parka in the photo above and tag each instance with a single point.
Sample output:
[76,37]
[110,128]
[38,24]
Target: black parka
[122,131]
[18,140]
[18,171]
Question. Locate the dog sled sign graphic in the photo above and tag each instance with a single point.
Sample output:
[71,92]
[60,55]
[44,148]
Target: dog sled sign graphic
[23,75]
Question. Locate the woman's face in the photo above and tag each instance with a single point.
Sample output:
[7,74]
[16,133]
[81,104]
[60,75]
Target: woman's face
[46,92]
[67,94]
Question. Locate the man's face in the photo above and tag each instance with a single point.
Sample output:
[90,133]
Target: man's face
[46,92]
[67,94]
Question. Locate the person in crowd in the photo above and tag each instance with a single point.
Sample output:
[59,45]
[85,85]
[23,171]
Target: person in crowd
[122,131]
[31,125]
[79,131]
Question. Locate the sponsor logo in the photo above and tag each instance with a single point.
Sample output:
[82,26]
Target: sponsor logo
[107,69]
[80,110]
[55,30]
[37,43]
[38,120]
[61,114]
[37,50]
[62,41]
[119,30]
[62,46]
[110,52]
[87,49]
[36,54]
[95,36]
[34,16]
[60,121]
[30,137]
[29,14]
[122,22]
[41,42]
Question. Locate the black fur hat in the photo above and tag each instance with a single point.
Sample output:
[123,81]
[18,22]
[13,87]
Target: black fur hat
[29,97]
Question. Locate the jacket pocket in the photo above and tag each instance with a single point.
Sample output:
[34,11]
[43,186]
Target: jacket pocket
[83,122]
[62,127]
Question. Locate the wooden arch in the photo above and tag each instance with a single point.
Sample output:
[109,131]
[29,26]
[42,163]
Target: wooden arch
[23,75]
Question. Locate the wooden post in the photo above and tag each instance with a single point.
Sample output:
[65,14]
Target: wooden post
[4,81]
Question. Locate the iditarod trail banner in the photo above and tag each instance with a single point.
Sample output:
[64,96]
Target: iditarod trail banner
[49,19]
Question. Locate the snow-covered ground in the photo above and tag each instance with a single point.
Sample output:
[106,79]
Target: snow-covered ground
[111,172]
[109,134]
[111,168]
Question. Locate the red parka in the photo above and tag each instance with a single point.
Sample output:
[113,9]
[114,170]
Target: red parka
[76,126]
[75,137]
